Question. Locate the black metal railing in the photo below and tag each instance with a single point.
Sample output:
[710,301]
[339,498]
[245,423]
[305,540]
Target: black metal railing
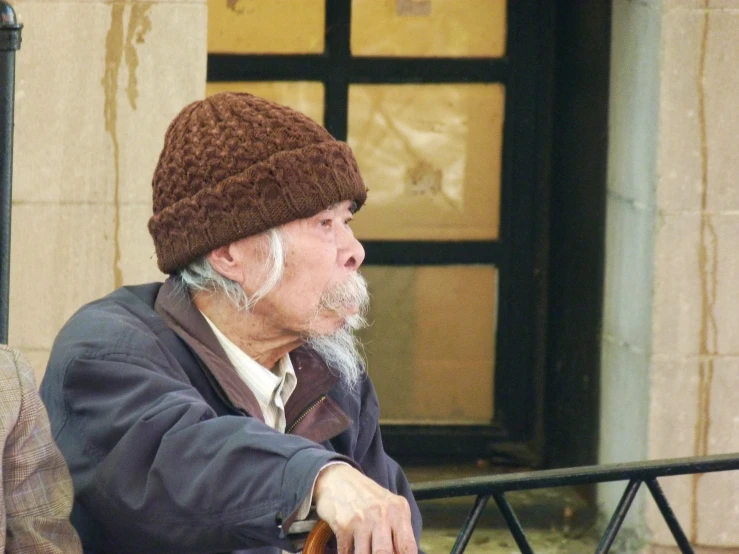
[636,473]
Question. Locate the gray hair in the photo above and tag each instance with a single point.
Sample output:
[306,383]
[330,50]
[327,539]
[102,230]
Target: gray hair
[200,276]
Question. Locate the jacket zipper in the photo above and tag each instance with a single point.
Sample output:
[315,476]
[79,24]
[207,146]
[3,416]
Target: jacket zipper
[305,412]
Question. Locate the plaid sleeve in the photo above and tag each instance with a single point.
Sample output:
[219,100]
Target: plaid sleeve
[37,488]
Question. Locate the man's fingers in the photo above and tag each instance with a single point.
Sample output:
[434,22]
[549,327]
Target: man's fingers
[403,538]
[344,543]
[362,541]
[404,541]
[366,518]
[382,539]
[384,535]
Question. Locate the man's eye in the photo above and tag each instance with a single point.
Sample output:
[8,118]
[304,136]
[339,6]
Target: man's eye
[325,223]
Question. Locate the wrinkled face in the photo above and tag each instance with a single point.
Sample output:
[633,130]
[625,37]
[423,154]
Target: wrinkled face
[320,254]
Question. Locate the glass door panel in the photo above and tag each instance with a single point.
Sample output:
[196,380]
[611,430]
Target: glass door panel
[430,156]
[430,346]
[266,26]
[304,96]
[455,28]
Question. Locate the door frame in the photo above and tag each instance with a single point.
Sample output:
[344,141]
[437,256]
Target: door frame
[516,433]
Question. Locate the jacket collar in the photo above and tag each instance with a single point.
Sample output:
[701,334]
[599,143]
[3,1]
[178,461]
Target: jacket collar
[314,377]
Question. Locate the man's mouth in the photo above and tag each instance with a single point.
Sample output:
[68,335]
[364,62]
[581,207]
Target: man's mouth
[348,299]
[350,309]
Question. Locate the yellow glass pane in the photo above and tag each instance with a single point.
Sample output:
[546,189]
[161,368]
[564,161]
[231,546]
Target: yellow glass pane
[430,156]
[266,26]
[431,346]
[304,96]
[454,28]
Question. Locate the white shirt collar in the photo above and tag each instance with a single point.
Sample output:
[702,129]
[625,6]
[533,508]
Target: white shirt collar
[272,389]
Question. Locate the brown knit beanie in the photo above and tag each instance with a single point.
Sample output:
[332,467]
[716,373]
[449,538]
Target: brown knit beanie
[234,165]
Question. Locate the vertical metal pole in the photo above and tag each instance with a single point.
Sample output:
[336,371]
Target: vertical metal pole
[10,41]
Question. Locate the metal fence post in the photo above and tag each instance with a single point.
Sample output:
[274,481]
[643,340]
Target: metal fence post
[10,41]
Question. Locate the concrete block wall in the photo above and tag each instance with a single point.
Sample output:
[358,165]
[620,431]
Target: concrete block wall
[97,84]
[671,330]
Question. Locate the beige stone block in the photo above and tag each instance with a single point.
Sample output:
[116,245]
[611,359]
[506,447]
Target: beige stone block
[61,258]
[717,500]
[677,308]
[723,5]
[93,105]
[687,405]
[138,261]
[672,431]
[698,120]
[62,151]
[679,158]
[724,233]
[38,360]
[721,108]
[724,407]
[674,386]
[162,68]
[717,503]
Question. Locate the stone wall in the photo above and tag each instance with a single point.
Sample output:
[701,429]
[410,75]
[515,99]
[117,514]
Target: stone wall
[671,330]
[97,84]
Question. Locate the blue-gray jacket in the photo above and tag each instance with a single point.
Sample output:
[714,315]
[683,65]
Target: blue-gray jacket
[166,445]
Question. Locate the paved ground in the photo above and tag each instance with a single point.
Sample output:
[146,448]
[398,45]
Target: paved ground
[499,541]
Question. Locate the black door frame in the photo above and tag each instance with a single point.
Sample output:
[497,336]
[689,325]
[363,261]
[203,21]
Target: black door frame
[516,433]
[577,236]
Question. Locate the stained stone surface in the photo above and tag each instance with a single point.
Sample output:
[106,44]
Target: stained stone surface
[92,107]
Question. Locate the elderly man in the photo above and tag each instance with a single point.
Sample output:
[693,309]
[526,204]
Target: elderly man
[210,413]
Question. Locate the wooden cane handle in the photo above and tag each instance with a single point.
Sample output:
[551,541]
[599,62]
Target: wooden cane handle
[318,538]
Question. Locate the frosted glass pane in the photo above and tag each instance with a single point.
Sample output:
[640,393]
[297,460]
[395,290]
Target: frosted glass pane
[455,28]
[431,346]
[266,26]
[431,157]
[304,96]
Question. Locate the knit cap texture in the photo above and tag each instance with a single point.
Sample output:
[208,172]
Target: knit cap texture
[235,165]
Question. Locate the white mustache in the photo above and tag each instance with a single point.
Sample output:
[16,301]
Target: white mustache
[352,292]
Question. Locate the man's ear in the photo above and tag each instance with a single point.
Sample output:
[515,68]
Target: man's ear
[224,262]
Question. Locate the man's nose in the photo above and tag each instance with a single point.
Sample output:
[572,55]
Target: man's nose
[352,251]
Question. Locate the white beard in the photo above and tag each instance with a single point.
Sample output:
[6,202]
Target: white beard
[341,350]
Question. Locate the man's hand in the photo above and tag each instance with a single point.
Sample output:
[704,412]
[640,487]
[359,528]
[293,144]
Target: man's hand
[366,518]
